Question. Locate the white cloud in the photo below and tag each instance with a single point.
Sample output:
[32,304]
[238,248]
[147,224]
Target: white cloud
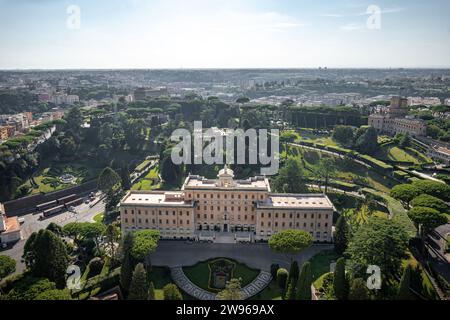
[352,27]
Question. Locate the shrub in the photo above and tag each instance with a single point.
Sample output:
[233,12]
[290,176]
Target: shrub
[95,266]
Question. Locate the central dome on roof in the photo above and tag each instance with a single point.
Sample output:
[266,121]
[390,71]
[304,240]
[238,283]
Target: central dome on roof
[226,176]
[226,172]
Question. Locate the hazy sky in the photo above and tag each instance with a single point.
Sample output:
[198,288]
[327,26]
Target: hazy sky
[223,34]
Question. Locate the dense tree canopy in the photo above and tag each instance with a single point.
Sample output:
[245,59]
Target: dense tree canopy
[46,256]
[290,242]
[379,242]
[7,266]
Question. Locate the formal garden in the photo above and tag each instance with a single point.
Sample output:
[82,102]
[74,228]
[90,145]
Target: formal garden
[212,275]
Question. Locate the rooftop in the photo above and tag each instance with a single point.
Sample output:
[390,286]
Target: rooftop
[169,199]
[300,201]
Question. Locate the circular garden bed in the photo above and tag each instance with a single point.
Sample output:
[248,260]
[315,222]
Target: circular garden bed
[212,275]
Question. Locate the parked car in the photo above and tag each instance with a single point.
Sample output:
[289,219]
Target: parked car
[21,220]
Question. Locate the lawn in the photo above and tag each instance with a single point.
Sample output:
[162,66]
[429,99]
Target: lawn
[160,276]
[320,263]
[149,182]
[99,217]
[200,273]
[271,292]
[48,179]
[394,153]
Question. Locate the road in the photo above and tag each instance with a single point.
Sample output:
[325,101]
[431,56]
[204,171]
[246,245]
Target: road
[254,255]
[84,213]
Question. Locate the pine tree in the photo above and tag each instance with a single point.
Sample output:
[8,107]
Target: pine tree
[139,286]
[151,291]
[341,236]
[304,283]
[126,271]
[340,283]
[404,292]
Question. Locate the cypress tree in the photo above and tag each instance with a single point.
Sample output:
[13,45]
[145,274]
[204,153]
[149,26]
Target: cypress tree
[139,287]
[282,276]
[304,283]
[293,275]
[340,283]
[403,290]
[341,236]
[151,291]
[290,292]
[126,271]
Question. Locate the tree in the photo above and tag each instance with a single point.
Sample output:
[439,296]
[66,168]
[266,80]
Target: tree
[290,179]
[7,266]
[402,140]
[274,269]
[108,181]
[125,177]
[55,228]
[425,200]
[151,291]
[46,256]
[433,188]
[358,290]
[290,242]
[282,276]
[293,271]
[427,219]
[68,147]
[291,290]
[127,263]
[341,235]
[112,234]
[304,283]
[405,193]
[144,242]
[340,283]
[404,292]
[326,171]
[139,285]
[367,141]
[379,242]
[343,135]
[171,292]
[232,291]
[54,294]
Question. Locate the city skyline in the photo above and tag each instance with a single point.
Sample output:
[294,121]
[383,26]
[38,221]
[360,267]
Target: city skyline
[137,34]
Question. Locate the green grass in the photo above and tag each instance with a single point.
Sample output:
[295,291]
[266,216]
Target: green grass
[99,217]
[200,273]
[320,263]
[271,292]
[160,276]
[149,182]
[143,165]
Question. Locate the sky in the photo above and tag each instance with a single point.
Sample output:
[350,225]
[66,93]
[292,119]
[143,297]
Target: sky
[104,34]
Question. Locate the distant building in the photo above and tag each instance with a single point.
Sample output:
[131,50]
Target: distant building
[395,120]
[440,154]
[144,93]
[9,227]
[244,210]
[447,102]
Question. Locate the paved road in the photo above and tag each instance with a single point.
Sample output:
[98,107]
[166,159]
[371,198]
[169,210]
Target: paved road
[83,214]
[256,255]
